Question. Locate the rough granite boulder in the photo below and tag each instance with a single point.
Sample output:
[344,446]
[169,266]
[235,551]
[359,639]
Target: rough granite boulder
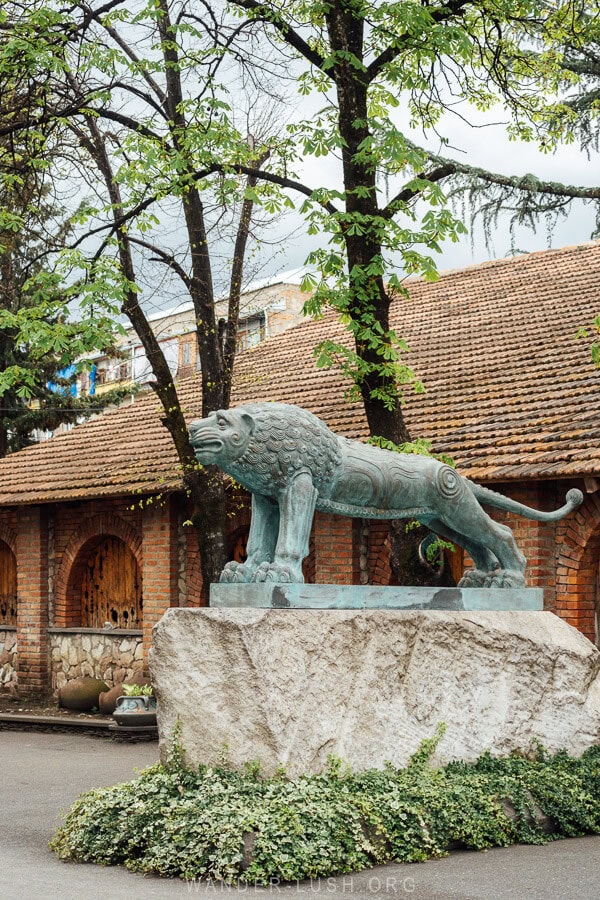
[293,686]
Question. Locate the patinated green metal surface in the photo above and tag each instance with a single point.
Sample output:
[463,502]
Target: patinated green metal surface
[292,463]
[351,596]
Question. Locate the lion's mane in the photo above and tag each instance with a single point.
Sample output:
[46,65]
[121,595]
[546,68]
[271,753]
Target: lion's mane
[286,440]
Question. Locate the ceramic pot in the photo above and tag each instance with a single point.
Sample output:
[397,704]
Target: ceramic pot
[135,712]
[81,694]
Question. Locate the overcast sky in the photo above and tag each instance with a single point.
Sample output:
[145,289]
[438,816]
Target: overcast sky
[489,147]
[286,244]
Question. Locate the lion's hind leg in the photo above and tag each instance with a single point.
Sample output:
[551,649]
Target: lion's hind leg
[468,518]
[485,561]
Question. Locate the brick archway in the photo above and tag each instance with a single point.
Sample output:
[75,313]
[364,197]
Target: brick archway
[578,552]
[90,532]
[8,575]
[9,537]
[8,584]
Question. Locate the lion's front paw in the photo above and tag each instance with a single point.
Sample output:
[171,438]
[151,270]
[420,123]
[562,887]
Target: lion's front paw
[236,573]
[277,573]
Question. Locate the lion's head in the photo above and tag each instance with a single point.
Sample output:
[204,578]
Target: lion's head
[262,445]
[222,437]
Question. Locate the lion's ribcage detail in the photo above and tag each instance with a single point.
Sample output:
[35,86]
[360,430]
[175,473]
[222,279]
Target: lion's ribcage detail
[423,513]
[366,485]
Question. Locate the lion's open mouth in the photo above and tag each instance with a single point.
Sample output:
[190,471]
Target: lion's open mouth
[210,445]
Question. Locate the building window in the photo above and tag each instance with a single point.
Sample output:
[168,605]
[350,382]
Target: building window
[142,370]
[186,354]
[251,331]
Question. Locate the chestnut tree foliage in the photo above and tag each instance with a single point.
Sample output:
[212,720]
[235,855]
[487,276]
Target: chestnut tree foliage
[384,71]
[147,90]
[133,99]
[381,69]
[38,341]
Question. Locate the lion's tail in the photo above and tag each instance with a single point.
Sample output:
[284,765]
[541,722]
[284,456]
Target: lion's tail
[574,499]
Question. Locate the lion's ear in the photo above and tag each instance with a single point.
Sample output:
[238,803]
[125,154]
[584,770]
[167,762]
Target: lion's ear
[249,422]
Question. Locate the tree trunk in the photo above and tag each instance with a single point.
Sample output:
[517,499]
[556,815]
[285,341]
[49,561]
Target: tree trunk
[368,295]
[405,561]
[235,285]
[205,486]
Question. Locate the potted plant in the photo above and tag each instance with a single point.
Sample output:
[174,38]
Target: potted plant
[136,708]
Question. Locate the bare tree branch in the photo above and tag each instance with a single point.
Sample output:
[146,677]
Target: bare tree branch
[271,16]
[162,256]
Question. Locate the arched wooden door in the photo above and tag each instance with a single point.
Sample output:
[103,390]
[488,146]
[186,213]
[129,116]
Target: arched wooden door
[111,588]
[8,585]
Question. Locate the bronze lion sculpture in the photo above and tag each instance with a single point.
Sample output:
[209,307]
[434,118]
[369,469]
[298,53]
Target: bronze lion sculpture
[292,464]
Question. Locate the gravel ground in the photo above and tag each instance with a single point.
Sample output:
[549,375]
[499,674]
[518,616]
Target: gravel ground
[45,708]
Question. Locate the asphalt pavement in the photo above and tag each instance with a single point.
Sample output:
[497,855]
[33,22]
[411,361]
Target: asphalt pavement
[41,774]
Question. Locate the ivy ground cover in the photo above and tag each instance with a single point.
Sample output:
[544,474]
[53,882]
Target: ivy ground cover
[236,825]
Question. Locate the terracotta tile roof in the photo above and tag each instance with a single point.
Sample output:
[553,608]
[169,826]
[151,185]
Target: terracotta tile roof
[510,393]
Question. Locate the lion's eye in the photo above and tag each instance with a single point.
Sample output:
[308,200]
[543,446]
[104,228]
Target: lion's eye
[222,423]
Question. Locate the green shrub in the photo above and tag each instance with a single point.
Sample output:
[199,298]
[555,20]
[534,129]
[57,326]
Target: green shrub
[180,822]
[138,690]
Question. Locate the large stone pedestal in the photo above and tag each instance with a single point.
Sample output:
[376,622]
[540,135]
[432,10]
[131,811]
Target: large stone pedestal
[294,685]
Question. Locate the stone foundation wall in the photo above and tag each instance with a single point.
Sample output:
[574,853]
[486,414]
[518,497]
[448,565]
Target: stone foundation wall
[113,656]
[8,660]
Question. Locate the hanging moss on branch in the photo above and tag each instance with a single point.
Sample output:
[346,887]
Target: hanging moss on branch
[230,825]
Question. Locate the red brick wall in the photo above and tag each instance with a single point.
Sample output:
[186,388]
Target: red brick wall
[537,540]
[331,557]
[195,595]
[380,571]
[562,558]
[32,601]
[334,549]
[159,543]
